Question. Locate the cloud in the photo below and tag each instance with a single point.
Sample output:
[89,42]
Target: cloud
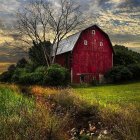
[119,18]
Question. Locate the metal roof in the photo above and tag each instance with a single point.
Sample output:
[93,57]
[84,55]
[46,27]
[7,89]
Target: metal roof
[67,44]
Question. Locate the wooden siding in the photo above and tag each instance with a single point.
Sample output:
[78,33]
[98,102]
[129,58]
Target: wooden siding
[90,60]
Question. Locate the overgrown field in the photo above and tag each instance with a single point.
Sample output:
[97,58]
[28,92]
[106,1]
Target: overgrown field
[103,112]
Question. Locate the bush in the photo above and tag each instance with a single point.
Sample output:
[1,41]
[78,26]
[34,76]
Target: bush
[23,76]
[22,63]
[17,74]
[32,78]
[30,67]
[41,69]
[6,76]
[135,69]
[57,76]
[119,74]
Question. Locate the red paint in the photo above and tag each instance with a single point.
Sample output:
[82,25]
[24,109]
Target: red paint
[91,59]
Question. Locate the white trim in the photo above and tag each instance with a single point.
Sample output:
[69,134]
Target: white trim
[85,42]
[71,75]
[101,43]
[112,59]
[93,32]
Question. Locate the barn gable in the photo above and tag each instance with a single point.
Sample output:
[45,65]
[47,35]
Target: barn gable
[68,44]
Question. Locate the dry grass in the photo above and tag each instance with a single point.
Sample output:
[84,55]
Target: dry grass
[24,118]
[125,123]
[39,121]
[38,91]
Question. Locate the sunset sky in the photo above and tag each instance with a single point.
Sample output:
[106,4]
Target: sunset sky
[120,19]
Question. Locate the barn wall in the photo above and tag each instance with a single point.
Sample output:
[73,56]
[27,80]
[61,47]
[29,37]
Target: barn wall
[64,60]
[91,59]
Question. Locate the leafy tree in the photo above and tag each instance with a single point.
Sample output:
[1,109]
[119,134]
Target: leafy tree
[6,76]
[36,53]
[11,68]
[119,74]
[135,69]
[22,63]
[124,56]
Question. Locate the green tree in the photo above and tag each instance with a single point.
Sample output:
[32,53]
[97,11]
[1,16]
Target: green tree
[119,74]
[124,56]
[36,53]
[22,63]
[6,76]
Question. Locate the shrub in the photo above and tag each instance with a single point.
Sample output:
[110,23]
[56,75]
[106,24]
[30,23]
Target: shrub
[40,75]
[31,78]
[41,69]
[119,74]
[17,74]
[22,63]
[6,76]
[135,69]
[57,76]
[30,67]
[23,76]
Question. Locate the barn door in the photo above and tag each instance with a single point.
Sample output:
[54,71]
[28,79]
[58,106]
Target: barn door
[101,78]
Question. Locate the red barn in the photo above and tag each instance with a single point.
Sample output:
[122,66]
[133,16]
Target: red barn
[87,54]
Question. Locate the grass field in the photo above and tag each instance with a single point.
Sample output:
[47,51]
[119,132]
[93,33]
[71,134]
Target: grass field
[114,96]
[119,105]
[23,117]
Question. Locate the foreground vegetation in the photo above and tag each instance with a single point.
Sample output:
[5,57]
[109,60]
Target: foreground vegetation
[21,117]
[105,112]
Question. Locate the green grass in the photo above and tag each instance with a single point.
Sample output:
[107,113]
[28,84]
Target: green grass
[119,107]
[114,96]
[11,102]
[21,117]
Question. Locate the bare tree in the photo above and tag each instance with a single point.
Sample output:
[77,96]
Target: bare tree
[41,18]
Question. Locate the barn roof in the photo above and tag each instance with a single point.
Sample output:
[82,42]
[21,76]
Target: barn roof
[68,44]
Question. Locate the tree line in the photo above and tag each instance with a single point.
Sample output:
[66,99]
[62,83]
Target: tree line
[34,71]
[126,65]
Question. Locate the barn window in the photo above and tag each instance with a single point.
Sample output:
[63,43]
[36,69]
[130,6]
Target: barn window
[93,32]
[85,42]
[101,43]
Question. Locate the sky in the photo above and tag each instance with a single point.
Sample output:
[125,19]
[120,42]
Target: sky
[120,19]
